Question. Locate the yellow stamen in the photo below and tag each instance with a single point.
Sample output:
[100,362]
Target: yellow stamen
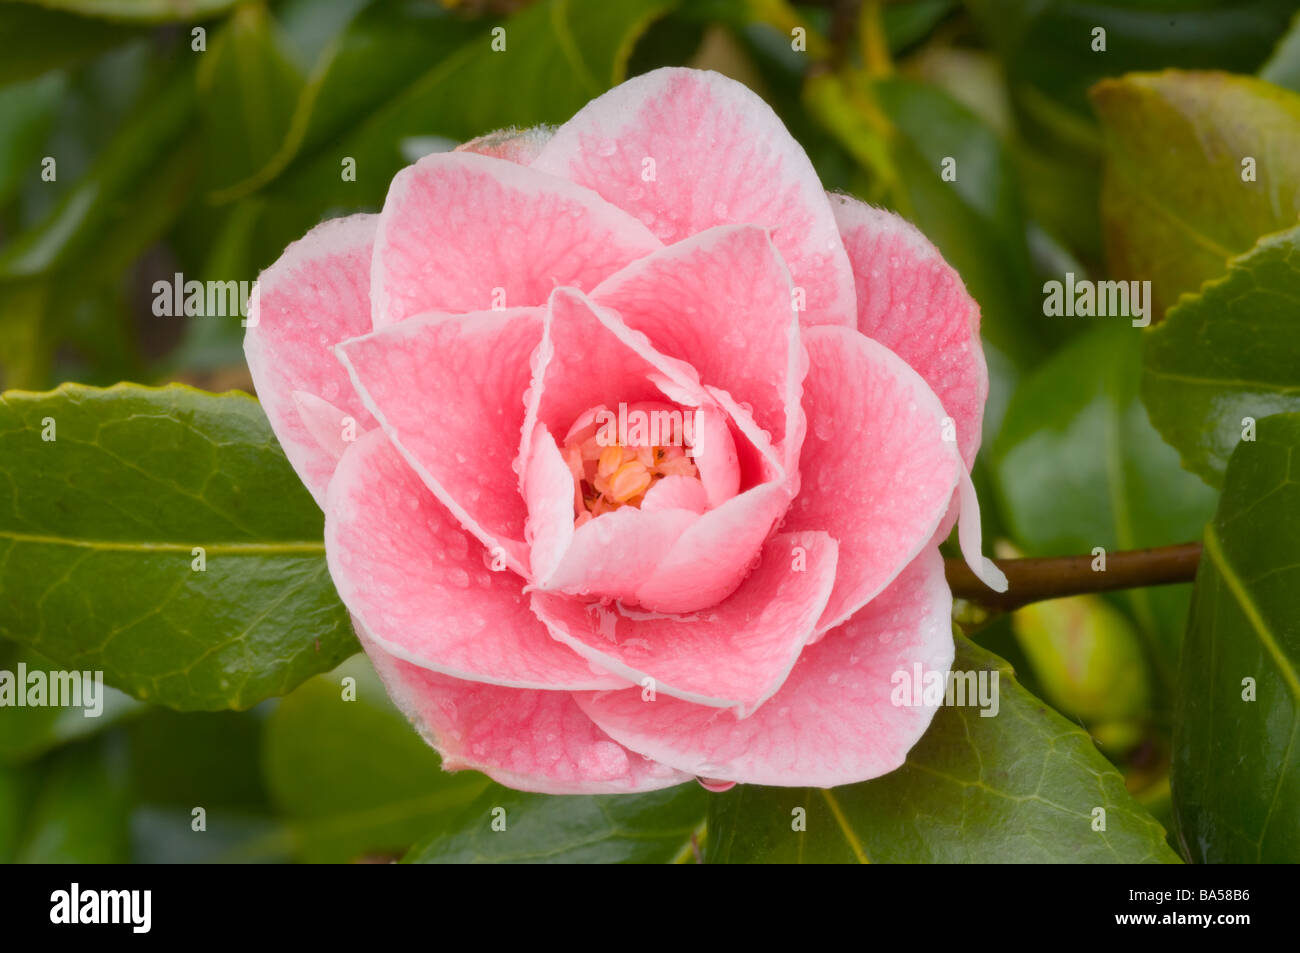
[632,479]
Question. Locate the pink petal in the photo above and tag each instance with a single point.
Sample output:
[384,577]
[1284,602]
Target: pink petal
[315,295]
[715,553]
[466,232]
[734,654]
[832,722]
[425,591]
[548,492]
[527,740]
[877,473]
[969,538]
[716,455]
[684,150]
[676,493]
[589,358]
[611,555]
[914,303]
[328,425]
[720,301]
[449,390]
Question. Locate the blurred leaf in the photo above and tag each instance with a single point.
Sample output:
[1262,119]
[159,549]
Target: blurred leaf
[901,131]
[80,812]
[142,11]
[652,828]
[1174,204]
[558,56]
[353,777]
[1079,465]
[1236,780]
[16,784]
[249,89]
[381,51]
[1283,67]
[210,760]
[98,199]
[24,339]
[26,113]
[1018,787]
[30,731]
[907,24]
[1227,353]
[165,835]
[190,759]
[1048,44]
[36,41]
[1089,660]
[136,478]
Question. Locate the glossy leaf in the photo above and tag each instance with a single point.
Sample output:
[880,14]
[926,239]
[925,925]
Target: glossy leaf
[1236,779]
[98,532]
[1023,786]
[658,827]
[1198,166]
[1227,356]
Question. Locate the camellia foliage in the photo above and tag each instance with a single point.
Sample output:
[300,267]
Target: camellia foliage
[211,565]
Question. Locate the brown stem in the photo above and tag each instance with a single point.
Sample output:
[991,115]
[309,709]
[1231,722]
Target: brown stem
[1051,577]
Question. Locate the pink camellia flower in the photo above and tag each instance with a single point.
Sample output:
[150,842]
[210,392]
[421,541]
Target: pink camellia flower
[635,447]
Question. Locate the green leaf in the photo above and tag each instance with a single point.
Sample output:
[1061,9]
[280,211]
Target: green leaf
[559,54]
[80,813]
[1078,465]
[138,11]
[1283,67]
[1047,45]
[658,827]
[98,528]
[1227,354]
[352,776]
[26,114]
[180,761]
[380,51]
[146,143]
[1236,779]
[901,131]
[1177,201]
[36,41]
[976,221]
[1019,787]
[249,88]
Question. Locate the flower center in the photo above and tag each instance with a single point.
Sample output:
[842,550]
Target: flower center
[617,456]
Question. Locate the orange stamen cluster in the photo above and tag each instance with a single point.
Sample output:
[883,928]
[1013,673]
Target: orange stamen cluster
[608,477]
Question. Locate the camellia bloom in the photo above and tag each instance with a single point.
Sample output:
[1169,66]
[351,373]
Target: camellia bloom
[635,447]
